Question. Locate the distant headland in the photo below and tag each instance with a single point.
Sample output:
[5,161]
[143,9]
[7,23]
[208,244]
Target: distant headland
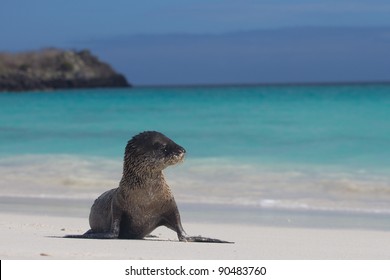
[56,69]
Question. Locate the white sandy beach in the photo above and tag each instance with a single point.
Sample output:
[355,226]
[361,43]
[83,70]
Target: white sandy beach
[32,237]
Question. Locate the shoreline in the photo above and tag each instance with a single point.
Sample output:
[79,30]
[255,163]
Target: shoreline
[211,213]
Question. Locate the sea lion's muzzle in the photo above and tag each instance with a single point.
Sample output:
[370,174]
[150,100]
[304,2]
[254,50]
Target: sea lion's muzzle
[179,154]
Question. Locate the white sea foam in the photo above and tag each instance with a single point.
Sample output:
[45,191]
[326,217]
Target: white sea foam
[211,181]
[57,176]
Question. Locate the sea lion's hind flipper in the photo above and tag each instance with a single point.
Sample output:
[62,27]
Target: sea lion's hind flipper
[151,236]
[204,239]
[94,235]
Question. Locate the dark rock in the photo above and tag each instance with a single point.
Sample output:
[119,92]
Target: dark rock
[56,69]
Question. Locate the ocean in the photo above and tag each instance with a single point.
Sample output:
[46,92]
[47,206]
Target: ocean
[290,148]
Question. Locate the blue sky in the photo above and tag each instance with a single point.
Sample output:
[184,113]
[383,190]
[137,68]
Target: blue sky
[31,24]
[26,24]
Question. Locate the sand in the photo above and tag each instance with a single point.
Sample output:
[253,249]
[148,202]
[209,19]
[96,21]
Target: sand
[34,236]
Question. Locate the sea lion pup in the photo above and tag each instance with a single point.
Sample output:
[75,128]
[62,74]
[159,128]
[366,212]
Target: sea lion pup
[143,201]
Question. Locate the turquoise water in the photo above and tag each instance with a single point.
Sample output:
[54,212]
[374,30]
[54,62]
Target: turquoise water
[306,147]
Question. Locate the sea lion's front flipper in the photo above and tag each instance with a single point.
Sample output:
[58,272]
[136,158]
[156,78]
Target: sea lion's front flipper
[203,239]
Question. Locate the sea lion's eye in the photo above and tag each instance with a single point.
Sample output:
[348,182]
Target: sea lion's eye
[160,146]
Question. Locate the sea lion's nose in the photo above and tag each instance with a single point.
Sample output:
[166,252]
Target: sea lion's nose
[182,150]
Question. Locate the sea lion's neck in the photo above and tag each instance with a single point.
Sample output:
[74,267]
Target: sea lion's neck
[133,179]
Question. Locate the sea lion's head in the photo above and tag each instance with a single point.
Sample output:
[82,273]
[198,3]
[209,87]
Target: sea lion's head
[152,151]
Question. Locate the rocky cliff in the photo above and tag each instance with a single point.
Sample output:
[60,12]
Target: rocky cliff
[56,69]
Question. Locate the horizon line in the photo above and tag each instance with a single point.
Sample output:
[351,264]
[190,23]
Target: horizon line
[265,84]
